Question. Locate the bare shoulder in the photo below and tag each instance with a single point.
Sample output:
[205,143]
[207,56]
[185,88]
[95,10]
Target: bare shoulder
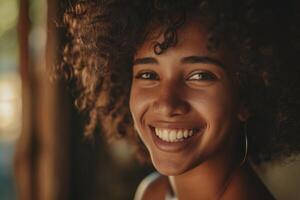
[154,186]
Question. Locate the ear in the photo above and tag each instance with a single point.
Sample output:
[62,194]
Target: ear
[243,113]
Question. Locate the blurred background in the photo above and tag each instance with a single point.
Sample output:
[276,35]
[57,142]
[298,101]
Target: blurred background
[43,153]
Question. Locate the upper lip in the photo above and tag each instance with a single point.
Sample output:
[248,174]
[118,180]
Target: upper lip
[175,125]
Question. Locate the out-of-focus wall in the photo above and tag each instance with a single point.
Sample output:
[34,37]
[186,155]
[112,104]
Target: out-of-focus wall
[283,179]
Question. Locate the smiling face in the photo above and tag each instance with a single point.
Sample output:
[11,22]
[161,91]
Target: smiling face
[183,102]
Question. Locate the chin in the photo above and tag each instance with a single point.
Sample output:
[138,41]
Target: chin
[169,170]
[174,167]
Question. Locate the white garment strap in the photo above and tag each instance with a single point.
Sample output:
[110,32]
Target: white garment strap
[170,197]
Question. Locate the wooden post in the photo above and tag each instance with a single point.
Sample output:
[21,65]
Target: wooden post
[24,157]
[42,152]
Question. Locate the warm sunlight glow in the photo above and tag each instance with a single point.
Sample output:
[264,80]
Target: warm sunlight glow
[10,107]
[7,113]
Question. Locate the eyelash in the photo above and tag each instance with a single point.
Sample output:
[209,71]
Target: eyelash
[147,76]
[143,74]
[209,76]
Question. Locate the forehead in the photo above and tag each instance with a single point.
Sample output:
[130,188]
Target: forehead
[192,40]
[191,37]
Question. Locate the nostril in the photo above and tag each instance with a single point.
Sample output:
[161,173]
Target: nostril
[170,107]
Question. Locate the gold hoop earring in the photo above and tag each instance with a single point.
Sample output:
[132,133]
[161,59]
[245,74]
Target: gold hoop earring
[246,145]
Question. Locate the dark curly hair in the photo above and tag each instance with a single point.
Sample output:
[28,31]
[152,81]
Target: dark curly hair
[263,35]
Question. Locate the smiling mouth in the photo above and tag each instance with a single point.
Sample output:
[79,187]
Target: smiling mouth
[174,135]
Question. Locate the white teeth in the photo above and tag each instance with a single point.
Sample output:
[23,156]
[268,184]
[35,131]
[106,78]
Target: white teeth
[186,133]
[179,134]
[165,135]
[173,135]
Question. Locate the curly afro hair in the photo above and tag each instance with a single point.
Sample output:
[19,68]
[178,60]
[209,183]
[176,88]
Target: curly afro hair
[262,35]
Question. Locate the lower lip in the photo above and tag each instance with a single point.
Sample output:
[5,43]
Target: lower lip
[173,146]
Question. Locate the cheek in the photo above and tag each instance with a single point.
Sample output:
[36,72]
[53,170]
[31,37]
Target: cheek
[138,103]
[221,104]
[217,105]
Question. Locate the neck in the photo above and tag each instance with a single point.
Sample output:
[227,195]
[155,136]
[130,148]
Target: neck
[208,180]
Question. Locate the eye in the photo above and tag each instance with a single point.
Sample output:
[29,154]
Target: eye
[201,76]
[147,76]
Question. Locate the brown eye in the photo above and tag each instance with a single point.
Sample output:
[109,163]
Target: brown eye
[201,76]
[147,76]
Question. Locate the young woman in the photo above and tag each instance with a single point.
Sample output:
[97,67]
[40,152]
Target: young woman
[205,85]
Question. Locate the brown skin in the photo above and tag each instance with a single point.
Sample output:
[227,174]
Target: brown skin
[175,90]
[244,185]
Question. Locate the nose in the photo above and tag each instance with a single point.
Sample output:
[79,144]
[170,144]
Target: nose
[170,101]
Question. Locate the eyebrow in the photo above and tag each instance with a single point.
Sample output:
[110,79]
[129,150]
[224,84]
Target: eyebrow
[185,60]
[145,60]
[202,59]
